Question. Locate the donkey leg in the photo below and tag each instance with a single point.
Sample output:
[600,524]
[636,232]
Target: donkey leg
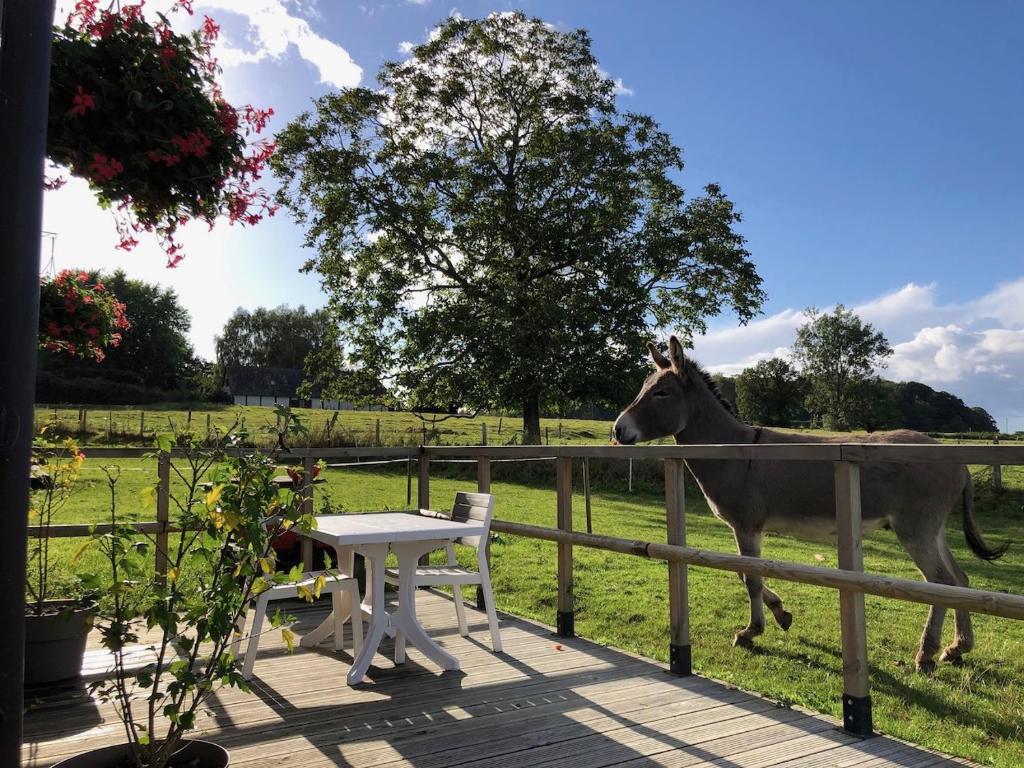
[930,562]
[749,543]
[963,639]
[782,617]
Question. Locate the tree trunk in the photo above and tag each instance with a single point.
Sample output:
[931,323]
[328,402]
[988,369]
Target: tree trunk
[531,420]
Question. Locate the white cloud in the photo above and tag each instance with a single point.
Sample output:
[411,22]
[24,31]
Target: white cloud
[974,349]
[619,88]
[418,2]
[405,47]
[274,29]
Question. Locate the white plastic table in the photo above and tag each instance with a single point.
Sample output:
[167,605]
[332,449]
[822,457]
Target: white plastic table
[407,535]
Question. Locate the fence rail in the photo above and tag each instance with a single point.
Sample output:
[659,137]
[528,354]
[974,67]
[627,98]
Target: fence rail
[849,579]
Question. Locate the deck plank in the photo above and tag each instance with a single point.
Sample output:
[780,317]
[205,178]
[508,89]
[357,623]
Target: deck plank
[545,701]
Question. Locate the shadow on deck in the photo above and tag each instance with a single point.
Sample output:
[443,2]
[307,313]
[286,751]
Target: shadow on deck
[544,701]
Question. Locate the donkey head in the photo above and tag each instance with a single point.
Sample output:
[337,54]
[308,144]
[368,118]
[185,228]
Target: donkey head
[661,408]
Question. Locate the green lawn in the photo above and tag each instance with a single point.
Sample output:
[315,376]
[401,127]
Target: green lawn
[976,710]
[136,426]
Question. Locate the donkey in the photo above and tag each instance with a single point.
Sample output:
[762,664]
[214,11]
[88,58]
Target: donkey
[752,497]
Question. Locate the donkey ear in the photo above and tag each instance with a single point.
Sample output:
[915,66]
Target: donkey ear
[659,359]
[675,354]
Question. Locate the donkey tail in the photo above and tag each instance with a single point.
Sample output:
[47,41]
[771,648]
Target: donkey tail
[971,531]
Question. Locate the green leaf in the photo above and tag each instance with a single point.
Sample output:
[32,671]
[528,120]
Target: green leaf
[79,551]
[163,442]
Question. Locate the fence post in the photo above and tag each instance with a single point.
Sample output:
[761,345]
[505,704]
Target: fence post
[483,434]
[586,492]
[110,424]
[483,485]
[408,482]
[142,425]
[631,474]
[565,621]
[997,470]
[376,434]
[163,508]
[307,509]
[423,490]
[853,627]
[208,430]
[679,655]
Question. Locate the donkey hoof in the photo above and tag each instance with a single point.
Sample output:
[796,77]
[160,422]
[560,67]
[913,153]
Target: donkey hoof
[786,621]
[742,641]
[926,666]
[952,656]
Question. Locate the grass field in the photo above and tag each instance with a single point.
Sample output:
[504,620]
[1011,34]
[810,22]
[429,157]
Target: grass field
[975,711]
[136,426]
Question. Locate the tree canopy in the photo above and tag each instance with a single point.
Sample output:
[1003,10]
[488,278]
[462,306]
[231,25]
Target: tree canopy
[770,393]
[281,337]
[837,353]
[493,231]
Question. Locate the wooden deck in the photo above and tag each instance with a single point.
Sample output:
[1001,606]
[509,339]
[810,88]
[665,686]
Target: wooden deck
[543,702]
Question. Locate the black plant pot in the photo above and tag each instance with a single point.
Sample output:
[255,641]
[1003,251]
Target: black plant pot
[193,754]
[55,641]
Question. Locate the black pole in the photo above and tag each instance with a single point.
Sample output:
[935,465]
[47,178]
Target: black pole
[25,33]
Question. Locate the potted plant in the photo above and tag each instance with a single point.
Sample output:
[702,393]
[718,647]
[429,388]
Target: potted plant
[135,109]
[57,623]
[221,560]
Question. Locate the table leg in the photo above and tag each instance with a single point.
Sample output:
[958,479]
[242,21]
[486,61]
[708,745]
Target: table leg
[404,619]
[376,558]
[345,564]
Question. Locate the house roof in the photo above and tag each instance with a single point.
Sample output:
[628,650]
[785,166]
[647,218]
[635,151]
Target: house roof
[276,382]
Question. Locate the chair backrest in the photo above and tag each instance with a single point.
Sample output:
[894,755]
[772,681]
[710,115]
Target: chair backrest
[478,507]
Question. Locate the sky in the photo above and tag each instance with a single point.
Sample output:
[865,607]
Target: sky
[873,147]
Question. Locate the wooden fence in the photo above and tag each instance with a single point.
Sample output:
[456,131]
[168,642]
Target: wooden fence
[849,578]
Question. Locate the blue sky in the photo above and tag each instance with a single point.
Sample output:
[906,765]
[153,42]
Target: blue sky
[873,147]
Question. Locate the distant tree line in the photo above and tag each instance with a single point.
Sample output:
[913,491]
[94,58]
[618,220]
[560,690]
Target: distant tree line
[830,382]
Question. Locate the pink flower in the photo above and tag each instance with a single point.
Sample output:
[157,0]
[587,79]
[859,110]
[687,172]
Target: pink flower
[83,102]
[103,168]
[210,28]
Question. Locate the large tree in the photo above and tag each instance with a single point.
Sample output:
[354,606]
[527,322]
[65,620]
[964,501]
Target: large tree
[281,337]
[154,354]
[493,231]
[770,393]
[838,353]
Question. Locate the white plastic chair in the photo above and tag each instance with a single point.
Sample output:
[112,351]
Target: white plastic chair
[337,586]
[468,506]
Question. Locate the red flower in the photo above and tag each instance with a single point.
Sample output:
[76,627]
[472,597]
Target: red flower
[83,102]
[103,168]
[195,143]
[167,53]
[210,28]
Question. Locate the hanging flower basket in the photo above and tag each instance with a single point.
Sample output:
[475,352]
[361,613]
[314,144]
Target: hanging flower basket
[136,110]
[79,316]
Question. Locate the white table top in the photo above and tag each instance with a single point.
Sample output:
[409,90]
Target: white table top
[388,527]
